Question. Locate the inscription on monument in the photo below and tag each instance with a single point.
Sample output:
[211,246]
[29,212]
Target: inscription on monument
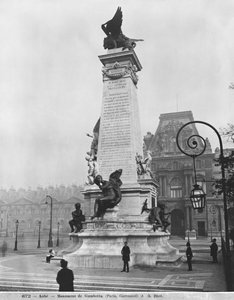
[116,141]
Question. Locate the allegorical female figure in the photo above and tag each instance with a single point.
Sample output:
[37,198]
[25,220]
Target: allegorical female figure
[111,193]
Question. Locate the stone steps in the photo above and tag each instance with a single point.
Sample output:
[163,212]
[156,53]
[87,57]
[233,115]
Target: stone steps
[39,282]
[17,283]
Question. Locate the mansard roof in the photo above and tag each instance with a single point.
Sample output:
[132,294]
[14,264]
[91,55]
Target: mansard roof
[163,142]
[181,115]
[22,201]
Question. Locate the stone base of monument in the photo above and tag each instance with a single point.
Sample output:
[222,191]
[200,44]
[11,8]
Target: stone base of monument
[100,244]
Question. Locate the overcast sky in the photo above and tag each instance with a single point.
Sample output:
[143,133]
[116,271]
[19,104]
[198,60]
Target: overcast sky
[51,80]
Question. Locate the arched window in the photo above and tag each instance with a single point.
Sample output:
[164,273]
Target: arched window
[198,164]
[175,165]
[176,188]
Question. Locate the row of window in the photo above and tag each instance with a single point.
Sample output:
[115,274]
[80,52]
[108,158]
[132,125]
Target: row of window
[176,190]
[176,165]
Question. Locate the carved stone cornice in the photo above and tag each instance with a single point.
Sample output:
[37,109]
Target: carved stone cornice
[121,56]
[118,70]
[117,225]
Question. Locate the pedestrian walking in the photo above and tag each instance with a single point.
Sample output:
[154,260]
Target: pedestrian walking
[4,248]
[189,255]
[214,250]
[65,277]
[125,257]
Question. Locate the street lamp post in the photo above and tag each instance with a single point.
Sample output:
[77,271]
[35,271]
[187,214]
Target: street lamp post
[7,224]
[39,235]
[50,241]
[193,144]
[16,234]
[57,244]
[8,216]
[211,231]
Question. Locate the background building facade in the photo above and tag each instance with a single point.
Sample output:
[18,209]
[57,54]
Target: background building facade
[175,174]
[30,207]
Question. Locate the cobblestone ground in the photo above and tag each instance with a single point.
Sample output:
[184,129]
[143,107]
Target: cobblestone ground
[206,276]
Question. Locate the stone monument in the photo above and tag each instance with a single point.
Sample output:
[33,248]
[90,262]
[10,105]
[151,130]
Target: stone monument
[119,145]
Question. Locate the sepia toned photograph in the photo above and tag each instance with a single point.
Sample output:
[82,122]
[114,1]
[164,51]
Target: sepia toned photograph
[116,149]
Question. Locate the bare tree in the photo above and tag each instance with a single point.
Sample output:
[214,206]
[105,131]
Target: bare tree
[228,132]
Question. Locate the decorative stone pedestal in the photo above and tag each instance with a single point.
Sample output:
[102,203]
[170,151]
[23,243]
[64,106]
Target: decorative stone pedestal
[100,244]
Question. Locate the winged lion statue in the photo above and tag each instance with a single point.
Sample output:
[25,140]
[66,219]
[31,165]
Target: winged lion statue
[115,37]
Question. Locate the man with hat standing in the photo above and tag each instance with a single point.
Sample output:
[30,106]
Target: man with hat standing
[125,257]
[214,250]
[189,255]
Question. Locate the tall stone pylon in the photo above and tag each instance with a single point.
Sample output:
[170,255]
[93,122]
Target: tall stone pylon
[120,136]
[119,140]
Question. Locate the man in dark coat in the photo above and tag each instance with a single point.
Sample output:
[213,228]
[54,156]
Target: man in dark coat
[125,257]
[65,278]
[189,255]
[214,250]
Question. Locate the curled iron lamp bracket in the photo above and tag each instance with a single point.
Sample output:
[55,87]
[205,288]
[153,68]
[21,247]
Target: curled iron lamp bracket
[191,142]
[193,145]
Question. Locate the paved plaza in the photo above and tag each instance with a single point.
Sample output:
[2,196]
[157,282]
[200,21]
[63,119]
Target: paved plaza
[28,271]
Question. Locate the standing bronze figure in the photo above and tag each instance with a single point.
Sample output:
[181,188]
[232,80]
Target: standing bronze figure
[77,219]
[157,216]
